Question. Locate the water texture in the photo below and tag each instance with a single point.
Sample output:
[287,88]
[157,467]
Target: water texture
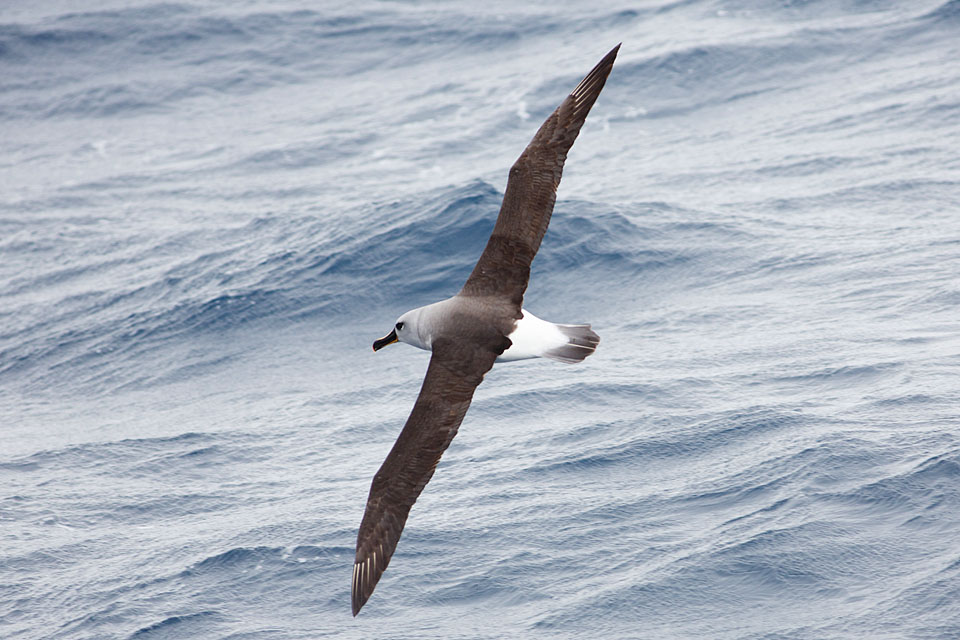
[209,210]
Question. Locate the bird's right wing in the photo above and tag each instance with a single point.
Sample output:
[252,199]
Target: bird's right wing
[456,368]
[504,267]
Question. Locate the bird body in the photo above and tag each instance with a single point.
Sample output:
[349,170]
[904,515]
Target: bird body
[484,323]
[463,318]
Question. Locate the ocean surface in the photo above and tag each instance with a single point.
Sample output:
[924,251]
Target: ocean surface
[210,209]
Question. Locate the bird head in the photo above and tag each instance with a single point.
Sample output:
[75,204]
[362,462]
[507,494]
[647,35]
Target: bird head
[405,330]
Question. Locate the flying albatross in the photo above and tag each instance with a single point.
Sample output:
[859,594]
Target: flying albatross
[483,324]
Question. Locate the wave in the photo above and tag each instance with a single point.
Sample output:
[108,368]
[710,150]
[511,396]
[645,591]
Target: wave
[947,12]
[211,206]
[194,624]
[228,53]
[282,270]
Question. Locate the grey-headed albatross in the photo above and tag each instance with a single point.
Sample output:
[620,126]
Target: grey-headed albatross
[484,323]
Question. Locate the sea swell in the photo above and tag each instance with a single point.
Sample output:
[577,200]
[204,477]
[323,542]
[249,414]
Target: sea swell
[210,210]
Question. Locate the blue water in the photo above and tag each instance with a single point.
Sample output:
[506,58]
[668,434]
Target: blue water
[209,210]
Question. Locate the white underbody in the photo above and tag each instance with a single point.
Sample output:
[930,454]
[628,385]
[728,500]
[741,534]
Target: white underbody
[532,338]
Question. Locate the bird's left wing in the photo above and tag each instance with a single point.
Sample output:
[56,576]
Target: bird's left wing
[456,368]
[504,266]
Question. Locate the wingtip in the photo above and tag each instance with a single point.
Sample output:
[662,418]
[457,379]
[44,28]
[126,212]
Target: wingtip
[356,595]
[356,603]
[366,574]
[607,60]
[593,82]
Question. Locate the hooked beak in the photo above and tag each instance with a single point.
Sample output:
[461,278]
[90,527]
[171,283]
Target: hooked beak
[390,338]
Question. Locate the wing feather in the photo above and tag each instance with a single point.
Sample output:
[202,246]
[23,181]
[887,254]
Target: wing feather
[455,370]
[504,267]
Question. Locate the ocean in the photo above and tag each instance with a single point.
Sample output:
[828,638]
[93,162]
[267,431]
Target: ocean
[210,209]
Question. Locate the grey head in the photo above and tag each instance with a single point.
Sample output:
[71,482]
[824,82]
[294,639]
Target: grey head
[408,328]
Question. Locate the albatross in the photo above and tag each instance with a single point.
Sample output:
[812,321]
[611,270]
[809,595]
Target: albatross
[484,323]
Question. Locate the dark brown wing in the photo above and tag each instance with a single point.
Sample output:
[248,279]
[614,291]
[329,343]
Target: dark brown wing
[504,267]
[456,368]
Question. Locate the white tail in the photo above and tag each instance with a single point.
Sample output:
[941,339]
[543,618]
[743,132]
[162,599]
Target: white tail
[536,338]
[581,342]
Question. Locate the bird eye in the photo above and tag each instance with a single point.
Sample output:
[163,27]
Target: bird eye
[399,326]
